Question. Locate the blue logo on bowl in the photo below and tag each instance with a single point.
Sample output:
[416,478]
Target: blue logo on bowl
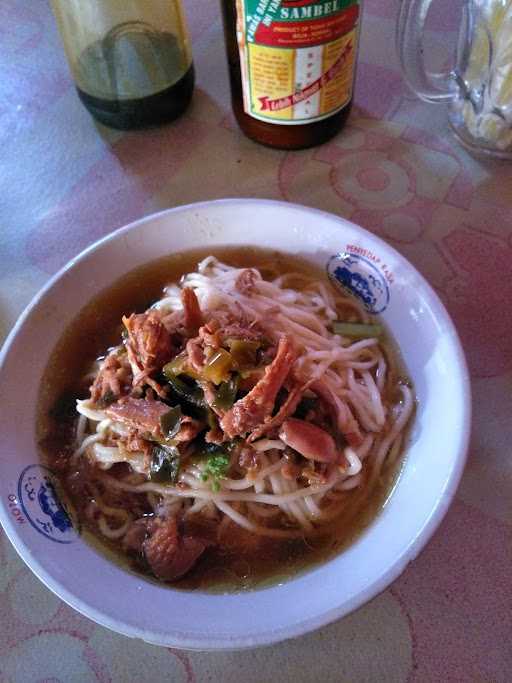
[37,495]
[359,276]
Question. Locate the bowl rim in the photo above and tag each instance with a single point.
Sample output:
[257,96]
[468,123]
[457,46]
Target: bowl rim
[205,642]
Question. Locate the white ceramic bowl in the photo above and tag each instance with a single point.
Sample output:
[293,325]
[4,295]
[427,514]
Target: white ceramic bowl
[126,603]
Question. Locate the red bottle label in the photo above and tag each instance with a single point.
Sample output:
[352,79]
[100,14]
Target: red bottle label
[297,57]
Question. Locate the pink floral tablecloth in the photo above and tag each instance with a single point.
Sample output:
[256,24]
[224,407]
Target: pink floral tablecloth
[396,170]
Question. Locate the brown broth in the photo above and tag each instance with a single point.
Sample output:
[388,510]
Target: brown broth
[95,328]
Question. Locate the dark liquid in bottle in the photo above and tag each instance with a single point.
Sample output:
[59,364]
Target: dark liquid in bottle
[135,77]
[272,134]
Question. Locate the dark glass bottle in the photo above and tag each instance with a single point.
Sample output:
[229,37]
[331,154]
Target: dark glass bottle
[291,68]
[131,60]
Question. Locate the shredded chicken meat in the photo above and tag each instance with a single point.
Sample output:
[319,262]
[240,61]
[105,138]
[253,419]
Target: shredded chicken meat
[252,410]
[148,340]
[139,414]
[113,380]
[193,317]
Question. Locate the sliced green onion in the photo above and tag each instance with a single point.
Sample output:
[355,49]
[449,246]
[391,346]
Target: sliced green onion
[216,467]
[357,330]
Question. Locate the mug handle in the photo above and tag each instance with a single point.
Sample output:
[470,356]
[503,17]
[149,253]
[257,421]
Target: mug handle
[431,87]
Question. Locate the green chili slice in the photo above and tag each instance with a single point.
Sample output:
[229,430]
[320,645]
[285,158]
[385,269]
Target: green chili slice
[218,366]
[243,352]
[357,330]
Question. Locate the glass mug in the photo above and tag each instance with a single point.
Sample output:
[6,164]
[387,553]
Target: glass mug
[479,87]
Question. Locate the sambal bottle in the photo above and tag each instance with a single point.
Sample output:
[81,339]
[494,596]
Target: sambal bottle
[131,59]
[291,65]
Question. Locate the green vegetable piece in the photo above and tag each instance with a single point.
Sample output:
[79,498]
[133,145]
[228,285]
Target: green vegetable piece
[179,366]
[211,419]
[226,394]
[165,464]
[216,467]
[189,396]
[170,422]
[186,392]
[175,367]
[243,352]
[357,330]
[218,367]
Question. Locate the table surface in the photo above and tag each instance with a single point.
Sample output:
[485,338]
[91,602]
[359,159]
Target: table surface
[396,170]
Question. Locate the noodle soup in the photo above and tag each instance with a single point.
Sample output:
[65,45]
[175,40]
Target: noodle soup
[221,422]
